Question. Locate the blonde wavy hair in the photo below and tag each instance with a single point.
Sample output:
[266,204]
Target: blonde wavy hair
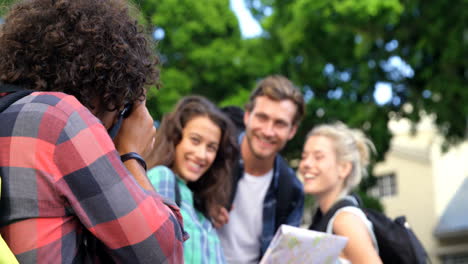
[351,145]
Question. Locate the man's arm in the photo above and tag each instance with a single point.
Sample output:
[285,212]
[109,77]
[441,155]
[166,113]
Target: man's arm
[133,223]
[137,135]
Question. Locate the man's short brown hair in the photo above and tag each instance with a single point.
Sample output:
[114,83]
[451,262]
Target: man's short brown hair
[278,88]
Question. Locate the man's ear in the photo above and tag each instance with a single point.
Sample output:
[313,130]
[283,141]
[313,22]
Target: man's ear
[344,169]
[293,131]
[246,117]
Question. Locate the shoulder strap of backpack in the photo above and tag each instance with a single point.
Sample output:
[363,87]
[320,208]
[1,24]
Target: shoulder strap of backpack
[8,88]
[16,93]
[320,222]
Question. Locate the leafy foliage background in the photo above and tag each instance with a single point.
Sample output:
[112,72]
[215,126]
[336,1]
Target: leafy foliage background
[335,51]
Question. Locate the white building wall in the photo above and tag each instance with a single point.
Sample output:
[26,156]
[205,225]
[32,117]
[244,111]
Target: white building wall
[415,192]
[450,170]
[426,178]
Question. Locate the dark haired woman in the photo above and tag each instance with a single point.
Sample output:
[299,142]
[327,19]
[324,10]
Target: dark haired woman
[195,151]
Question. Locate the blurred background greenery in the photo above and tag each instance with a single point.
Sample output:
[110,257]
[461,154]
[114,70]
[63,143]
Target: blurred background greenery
[340,53]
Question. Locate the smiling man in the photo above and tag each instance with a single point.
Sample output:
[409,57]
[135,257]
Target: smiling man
[272,116]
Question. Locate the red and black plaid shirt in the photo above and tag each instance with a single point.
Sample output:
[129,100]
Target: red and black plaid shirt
[67,197]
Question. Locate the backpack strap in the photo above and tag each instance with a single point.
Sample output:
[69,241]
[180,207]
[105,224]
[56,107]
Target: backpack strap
[8,88]
[324,223]
[320,221]
[16,93]
[357,211]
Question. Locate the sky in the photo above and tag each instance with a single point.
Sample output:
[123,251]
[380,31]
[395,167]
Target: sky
[248,25]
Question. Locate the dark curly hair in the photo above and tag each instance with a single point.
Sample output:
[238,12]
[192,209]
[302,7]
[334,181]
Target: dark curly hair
[91,49]
[214,186]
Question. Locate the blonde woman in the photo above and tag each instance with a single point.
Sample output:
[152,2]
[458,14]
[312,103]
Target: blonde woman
[334,160]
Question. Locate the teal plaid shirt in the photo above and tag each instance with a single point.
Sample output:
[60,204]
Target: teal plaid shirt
[203,246]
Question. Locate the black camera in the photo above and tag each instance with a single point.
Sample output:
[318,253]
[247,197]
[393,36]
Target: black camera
[124,113]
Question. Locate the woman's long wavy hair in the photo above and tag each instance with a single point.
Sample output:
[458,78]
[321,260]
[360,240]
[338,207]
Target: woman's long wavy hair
[215,185]
[91,49]
[350,145]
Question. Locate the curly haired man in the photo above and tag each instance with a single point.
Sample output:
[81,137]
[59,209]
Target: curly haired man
[67,196]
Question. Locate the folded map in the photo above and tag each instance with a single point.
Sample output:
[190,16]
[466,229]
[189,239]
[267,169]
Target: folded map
[292,245]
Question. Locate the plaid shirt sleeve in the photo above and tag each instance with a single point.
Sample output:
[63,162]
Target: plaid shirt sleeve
[81,171]
[163,181]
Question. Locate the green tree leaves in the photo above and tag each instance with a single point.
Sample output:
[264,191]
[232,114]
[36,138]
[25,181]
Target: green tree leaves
[201,49]
[336,51]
